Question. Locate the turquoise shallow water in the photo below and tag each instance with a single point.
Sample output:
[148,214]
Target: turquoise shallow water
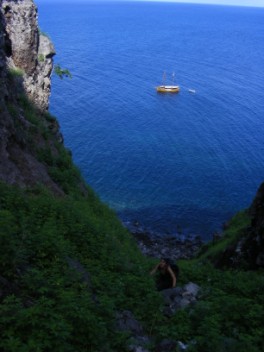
[186,161]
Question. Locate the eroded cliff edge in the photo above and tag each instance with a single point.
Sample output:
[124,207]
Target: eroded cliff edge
[248,251]
[27,49]
[28,133]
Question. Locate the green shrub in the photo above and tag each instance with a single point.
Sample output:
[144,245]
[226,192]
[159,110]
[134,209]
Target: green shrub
[62,72]
[15,72]
[41,58]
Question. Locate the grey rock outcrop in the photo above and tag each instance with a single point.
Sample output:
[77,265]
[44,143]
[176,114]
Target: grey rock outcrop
[254,243]
[20,45]
[126,322]
[174,299]
[248,251]
[179,298]
[168,345]
[22,33]
[38,85]
[28,50]
[3,88]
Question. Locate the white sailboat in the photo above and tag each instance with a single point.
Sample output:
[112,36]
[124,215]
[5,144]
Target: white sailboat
[168,88]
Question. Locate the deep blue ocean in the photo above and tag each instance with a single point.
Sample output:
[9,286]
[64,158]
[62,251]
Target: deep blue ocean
[184,162]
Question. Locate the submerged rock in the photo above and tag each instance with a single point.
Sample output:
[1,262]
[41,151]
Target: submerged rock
[167,246]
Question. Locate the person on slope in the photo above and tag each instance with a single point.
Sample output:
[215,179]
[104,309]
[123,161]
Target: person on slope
[168,273]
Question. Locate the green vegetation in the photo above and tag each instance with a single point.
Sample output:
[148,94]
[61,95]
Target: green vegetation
[12,109]
[229,314]
[41,58]
[51,307]
[62,72]
[30,112]
[40,136]
[15,72]
[48,306]
[235,230]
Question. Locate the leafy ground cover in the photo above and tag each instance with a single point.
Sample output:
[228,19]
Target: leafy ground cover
[46,304]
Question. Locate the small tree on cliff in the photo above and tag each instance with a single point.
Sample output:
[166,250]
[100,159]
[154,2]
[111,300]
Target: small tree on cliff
[62,72]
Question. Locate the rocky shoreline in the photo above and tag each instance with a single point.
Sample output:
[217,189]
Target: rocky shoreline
[173,246]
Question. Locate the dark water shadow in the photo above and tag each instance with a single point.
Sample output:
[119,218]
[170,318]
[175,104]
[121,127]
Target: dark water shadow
[168,220]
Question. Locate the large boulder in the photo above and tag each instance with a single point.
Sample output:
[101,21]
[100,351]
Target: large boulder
[179,298]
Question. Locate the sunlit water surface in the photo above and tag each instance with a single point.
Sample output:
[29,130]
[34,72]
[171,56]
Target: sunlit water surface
[183,162]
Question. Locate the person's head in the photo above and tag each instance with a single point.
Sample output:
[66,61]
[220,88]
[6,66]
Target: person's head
[164,262]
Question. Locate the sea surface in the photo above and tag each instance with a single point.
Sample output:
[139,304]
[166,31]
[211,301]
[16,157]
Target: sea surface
[175,163]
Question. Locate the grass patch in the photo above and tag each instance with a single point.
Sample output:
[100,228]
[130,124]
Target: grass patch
[41,58]
[15,72]
[13,110]
[30,112]
[238,224]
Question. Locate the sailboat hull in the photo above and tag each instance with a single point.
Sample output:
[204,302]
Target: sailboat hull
[168,89]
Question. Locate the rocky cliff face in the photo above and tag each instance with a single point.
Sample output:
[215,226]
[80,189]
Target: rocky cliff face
[26,130]
[254,245]
[27,49]
[248,251]
[3,88]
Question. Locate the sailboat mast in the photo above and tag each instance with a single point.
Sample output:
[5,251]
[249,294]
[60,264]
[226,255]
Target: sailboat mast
[170,88]
[164,78]
[173,76]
